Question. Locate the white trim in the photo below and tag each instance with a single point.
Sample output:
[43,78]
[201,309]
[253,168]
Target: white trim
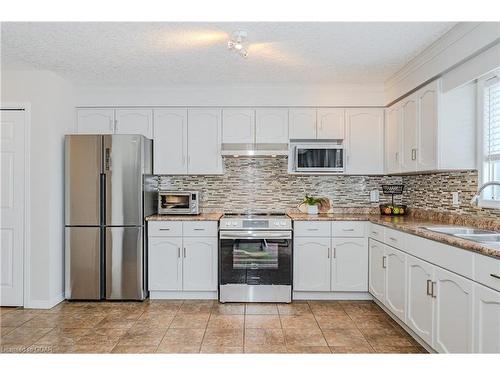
[355,296]
[182,295]
[45,304]
[27,195]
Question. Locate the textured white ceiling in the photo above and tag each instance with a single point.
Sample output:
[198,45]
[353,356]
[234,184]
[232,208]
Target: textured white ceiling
[196,53]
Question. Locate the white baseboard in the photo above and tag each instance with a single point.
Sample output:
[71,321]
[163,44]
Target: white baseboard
[44,304]
[359,296]
[182,295]
[404,326]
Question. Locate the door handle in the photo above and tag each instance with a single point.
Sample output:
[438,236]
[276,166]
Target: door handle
[107,159]
[397,156]
[348,230]
[432,290]
[178,252]
[334,252]
[429,287]
[384,262]
[413,154]
[184,252]
[328,252]
[199,229]
[164,229]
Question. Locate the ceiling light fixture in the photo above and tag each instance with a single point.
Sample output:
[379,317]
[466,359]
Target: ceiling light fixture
[236,43]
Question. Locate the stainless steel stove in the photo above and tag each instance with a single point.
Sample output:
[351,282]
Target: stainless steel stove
[255,258]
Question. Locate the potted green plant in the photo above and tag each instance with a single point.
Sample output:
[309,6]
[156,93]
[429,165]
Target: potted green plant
[312,204]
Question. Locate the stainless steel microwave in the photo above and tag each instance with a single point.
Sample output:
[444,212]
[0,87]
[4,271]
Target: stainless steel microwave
[318,157]
[178,203]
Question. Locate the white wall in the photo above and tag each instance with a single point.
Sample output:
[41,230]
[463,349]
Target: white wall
[217,95]
[52,102]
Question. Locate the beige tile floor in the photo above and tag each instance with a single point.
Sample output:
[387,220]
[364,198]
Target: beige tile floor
[187,326]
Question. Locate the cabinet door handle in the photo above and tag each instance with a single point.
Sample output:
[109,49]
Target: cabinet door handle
[184,252]
[178,252]
[413,154]
[384,262]
[495,276]
[312,229]
[374,232]
[328,252]
[429,287]
[348,230]
[164,229]
[393,239]
[432,290]
[334,252]
[199,229]
[397,156]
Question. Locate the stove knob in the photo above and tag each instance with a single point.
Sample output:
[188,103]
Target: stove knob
[235,223]
[276,223]
[228,223]
[283,223]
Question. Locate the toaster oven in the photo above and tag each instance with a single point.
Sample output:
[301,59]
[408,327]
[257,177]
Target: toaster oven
[178,203]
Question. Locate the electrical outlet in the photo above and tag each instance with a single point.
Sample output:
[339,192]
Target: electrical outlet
[374,196]
[454,198]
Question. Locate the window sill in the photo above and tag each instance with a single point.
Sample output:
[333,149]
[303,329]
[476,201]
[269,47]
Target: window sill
[489,204]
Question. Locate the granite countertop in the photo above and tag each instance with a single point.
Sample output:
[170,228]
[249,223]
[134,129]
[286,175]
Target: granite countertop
[204,216]
[408,224]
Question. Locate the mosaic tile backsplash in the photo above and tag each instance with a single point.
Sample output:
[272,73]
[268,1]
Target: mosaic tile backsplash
[433,192]
[263,185]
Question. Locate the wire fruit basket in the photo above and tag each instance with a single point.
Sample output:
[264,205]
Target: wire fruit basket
[393,209]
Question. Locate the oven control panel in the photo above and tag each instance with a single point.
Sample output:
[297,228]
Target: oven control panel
[282,223]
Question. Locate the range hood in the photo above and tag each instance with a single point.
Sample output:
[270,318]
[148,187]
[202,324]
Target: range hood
[254,149]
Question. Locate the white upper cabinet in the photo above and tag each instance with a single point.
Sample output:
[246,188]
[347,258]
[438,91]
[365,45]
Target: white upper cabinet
[409,134]
[365,141]
[331,123]
[204,141]
[134,121]
[302,123]
[427,127]
[349,265]
[393,138]
[437,130]
[271,125]
[238,125]
[453,324]
[95,121]
[170,141]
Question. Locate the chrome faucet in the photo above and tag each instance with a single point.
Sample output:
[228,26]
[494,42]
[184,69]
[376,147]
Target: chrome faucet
[475,200]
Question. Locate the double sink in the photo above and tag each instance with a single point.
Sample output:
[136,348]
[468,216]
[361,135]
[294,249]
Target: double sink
[486,237]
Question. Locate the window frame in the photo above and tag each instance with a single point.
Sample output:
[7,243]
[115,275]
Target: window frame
[481,152]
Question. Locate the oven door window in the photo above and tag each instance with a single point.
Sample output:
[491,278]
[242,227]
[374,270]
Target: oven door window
[175,201]
[255,261]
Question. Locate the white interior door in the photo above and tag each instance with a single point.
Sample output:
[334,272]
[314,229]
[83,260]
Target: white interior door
[12,136]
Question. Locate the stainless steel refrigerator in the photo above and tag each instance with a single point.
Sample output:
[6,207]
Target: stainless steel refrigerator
[108,192]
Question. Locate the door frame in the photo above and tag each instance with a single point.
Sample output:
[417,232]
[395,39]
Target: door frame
[26,107]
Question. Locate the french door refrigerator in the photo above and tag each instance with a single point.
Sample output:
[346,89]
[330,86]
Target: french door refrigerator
[108,191]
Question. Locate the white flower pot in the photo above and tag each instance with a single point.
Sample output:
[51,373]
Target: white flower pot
[312,210]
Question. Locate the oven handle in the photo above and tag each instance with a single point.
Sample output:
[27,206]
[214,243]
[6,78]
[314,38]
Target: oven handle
[250,235]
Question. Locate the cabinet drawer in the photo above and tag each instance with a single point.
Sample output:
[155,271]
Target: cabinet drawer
[200,228]
[484,268]
[376,232]
[164,228]
[312,228]
[395,238]
[348,228]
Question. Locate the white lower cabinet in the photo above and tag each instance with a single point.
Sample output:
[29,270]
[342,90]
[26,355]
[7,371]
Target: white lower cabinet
[395,281]
[486,320]
[326,263]
[376,284]
[181,263]
[311,264]
[453,324]
[420,303]
[200,264]
[165,263]
[349,265]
